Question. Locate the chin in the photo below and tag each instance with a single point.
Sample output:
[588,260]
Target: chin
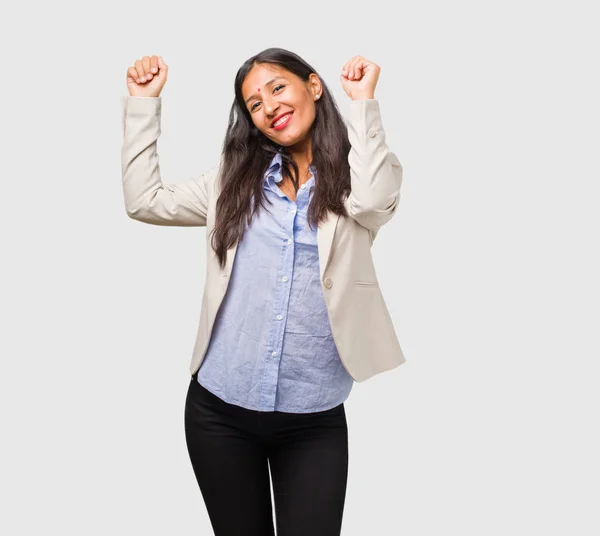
[287,142]
[290,139]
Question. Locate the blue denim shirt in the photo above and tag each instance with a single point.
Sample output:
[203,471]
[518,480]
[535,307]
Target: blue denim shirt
[271,347]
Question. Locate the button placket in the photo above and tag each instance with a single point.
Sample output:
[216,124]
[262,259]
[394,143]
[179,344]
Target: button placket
[281,304]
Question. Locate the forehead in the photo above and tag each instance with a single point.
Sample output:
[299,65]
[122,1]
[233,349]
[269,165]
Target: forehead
[260,74]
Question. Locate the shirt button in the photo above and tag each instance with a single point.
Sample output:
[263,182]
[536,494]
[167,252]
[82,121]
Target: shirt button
[279,317]
[303,186]
[289,240]
[372,132]
[284,279]
[273,354]
[328,282]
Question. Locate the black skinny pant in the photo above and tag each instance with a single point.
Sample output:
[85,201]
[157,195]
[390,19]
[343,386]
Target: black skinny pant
[232,448]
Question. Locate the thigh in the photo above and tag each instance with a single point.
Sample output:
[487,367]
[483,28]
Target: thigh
[230,466]
[309,468]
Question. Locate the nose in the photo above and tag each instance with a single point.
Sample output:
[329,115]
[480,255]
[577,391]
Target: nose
[270,106]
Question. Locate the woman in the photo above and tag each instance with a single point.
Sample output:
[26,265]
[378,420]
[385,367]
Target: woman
[285,330]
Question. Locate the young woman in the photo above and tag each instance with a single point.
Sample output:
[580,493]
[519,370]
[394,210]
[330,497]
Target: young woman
[296,201]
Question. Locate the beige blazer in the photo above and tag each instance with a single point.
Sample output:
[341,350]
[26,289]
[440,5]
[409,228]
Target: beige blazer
[360,322]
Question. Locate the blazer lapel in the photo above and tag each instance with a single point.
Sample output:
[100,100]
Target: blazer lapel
[325,233]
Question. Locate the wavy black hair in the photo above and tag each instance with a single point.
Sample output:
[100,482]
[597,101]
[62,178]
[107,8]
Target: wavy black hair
[247,152]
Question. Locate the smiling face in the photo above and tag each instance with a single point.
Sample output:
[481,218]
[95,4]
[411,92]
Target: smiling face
[270,91]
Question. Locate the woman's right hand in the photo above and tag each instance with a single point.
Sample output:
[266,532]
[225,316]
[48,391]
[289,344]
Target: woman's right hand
[146,77]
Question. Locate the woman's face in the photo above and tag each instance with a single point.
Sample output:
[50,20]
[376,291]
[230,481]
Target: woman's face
[270,91]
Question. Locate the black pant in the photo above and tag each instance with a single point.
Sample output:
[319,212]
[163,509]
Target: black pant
[232,448]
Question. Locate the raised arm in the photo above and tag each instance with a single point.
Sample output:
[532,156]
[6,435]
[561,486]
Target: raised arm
[375,171]
[147,199]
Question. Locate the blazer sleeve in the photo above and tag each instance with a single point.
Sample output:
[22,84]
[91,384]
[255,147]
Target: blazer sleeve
[375,171]
[147,199]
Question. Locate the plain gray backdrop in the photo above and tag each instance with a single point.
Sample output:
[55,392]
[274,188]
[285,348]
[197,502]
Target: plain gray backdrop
[489,268]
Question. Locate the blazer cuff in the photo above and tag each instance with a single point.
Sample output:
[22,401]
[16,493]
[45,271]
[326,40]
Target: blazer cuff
[364,109]
[141,105]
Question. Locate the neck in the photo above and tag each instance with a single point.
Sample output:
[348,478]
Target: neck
[302,155]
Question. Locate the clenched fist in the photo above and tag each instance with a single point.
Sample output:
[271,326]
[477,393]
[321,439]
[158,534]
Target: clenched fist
[359,78]
[147,77]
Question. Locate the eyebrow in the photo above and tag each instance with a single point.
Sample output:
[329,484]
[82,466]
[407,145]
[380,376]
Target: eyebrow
[267,84]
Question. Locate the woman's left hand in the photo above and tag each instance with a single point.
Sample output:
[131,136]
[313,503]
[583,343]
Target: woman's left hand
[359,78]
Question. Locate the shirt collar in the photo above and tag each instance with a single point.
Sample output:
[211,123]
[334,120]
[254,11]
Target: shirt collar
[275,169]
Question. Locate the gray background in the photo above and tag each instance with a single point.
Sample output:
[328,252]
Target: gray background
[487,268]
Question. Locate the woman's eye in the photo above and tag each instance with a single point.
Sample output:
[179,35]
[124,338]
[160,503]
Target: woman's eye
[275,88]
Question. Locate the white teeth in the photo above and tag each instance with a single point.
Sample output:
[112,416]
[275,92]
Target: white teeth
[282,120]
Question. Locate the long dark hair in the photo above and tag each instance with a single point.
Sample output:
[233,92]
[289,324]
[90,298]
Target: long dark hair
[247,152]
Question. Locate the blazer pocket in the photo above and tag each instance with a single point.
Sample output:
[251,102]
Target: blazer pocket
[366,283]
